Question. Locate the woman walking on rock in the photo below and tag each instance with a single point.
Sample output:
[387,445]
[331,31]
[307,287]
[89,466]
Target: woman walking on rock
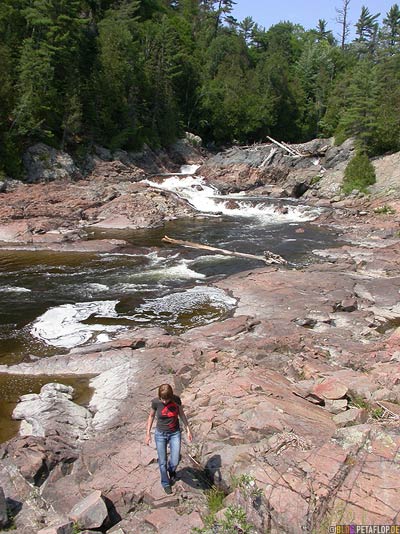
[168,408]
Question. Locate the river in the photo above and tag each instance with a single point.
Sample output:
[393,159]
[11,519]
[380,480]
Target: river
[51,302]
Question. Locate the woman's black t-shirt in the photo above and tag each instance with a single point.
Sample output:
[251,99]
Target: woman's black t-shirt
[167,414]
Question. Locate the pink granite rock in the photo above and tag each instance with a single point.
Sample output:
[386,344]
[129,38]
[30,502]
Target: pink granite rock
[330,389]
[352,416]
[62,528]
[91,512]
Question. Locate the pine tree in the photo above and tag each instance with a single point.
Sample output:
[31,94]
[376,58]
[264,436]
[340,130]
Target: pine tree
[367,32]
[315,70]
[390,34]
[246,28]
[387,136]
[116,77]
[359,119]
[47,70]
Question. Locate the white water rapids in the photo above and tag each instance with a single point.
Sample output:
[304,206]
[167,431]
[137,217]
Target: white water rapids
[69,325]
[207,199]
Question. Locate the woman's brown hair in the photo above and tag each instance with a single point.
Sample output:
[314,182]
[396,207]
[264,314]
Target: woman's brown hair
[165,392]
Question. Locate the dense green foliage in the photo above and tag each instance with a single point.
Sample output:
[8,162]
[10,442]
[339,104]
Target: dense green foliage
[359,173]
[122,73]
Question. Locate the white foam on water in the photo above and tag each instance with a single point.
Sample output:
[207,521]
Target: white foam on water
[128,288]
[176,272]
[14,289]
[193,189]
[97,287]
[270,214]
[186,301]
[155,259]
[212,259]
[181,271]
[207,199]
[109,255]
[189,169]
[62,327]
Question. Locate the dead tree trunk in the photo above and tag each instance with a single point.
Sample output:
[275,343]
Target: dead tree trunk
[268,258]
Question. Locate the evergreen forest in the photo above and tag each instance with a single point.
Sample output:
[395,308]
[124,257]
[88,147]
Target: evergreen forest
[124,73]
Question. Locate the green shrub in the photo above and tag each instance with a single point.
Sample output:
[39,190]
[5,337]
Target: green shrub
[236,521]
[233,522]
[385,210]
[359,174]
[247,485]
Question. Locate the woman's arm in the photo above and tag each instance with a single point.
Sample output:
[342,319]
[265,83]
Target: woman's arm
[150,420]
[185,422]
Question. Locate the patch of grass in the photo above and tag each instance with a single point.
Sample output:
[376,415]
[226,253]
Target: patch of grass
[315,179]
[385,210]
[374,411]
[377,413]
[215,499]
[359,402]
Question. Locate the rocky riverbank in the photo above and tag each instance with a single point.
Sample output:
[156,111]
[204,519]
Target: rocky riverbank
[294,401]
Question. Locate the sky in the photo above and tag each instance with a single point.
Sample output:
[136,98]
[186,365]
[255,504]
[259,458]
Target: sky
[307,12]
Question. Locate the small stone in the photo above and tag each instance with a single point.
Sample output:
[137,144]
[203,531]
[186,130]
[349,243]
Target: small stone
[307,322]
[335,406]
[346,305]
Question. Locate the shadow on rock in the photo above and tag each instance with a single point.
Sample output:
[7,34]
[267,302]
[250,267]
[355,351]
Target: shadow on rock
[195,478]
[13,507]
[213,470]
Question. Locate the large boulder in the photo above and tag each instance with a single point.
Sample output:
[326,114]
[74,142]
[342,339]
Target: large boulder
[91,512]
[141,207]
[45,164]
[52,412]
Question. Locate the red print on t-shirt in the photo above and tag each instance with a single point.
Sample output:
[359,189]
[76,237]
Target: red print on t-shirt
[171,411]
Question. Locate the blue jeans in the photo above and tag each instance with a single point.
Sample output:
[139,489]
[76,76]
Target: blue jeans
[162,438]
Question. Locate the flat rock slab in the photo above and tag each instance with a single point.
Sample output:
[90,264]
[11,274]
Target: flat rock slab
[169,522]
[330,389]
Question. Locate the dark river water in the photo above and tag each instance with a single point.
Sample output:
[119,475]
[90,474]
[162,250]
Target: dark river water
[51,302]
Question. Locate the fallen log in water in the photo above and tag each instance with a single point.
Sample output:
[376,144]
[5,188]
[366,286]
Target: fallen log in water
[269,257]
